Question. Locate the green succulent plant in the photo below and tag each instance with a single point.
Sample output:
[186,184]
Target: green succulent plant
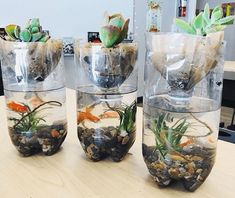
[114,30]
[127,115]
[31,33]
[205,23]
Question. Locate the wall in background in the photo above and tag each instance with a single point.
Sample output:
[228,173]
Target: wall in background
[169,11]
[229,31]
[62,17]
[140,9]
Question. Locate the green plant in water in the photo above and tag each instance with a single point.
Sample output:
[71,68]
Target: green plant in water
[168,138]
[114,31]
[127,116]
[31,33]
[205,23]
[29,121]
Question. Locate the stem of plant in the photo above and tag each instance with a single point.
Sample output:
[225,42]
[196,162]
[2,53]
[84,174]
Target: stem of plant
[28,114]
[205,124]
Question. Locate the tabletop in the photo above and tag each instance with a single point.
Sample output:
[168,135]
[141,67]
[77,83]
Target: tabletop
[229,70]
[69,174]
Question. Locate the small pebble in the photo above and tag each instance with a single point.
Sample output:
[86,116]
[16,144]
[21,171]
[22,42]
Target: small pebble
[125,140]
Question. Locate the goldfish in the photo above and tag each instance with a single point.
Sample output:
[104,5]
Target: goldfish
[109,114]
[36,101]
[87,115]
[190,141]
[17,107]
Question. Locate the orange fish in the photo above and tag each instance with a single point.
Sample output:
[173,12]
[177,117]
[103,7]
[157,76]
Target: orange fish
[190,141]
[36,101]
[17,107]
[87,115]
[109,114]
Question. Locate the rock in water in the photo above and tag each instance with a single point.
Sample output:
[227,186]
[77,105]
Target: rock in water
[47,139]
[105,141]
[192,169]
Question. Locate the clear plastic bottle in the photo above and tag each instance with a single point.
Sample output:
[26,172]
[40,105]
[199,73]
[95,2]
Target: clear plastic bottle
[182,100]
[33,78]
[106,99]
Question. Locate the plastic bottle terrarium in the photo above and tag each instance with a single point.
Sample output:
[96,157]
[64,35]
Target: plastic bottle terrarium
[32,69]
[182,100]
[106,92]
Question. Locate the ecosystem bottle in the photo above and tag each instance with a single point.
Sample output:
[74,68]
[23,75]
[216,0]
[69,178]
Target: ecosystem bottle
[106,96]
[34,88]
[182,100]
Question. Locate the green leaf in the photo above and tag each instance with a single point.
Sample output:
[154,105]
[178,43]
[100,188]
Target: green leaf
[36,36]
[35,30]
[35,22]
[226,21]
[204,26]
[45,38]
[216,28]
[109,35]
[184,26]
[25,35]
[218,14]
[198,21]
[206,13]
[10,31]
[117,21]
[217,8]
[124,32]
[17,32]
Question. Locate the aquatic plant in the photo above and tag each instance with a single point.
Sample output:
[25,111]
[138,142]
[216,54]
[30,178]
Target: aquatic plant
[29,119]
[127,116]
[31,33]
[205,23]
[114,30]
[169,138]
